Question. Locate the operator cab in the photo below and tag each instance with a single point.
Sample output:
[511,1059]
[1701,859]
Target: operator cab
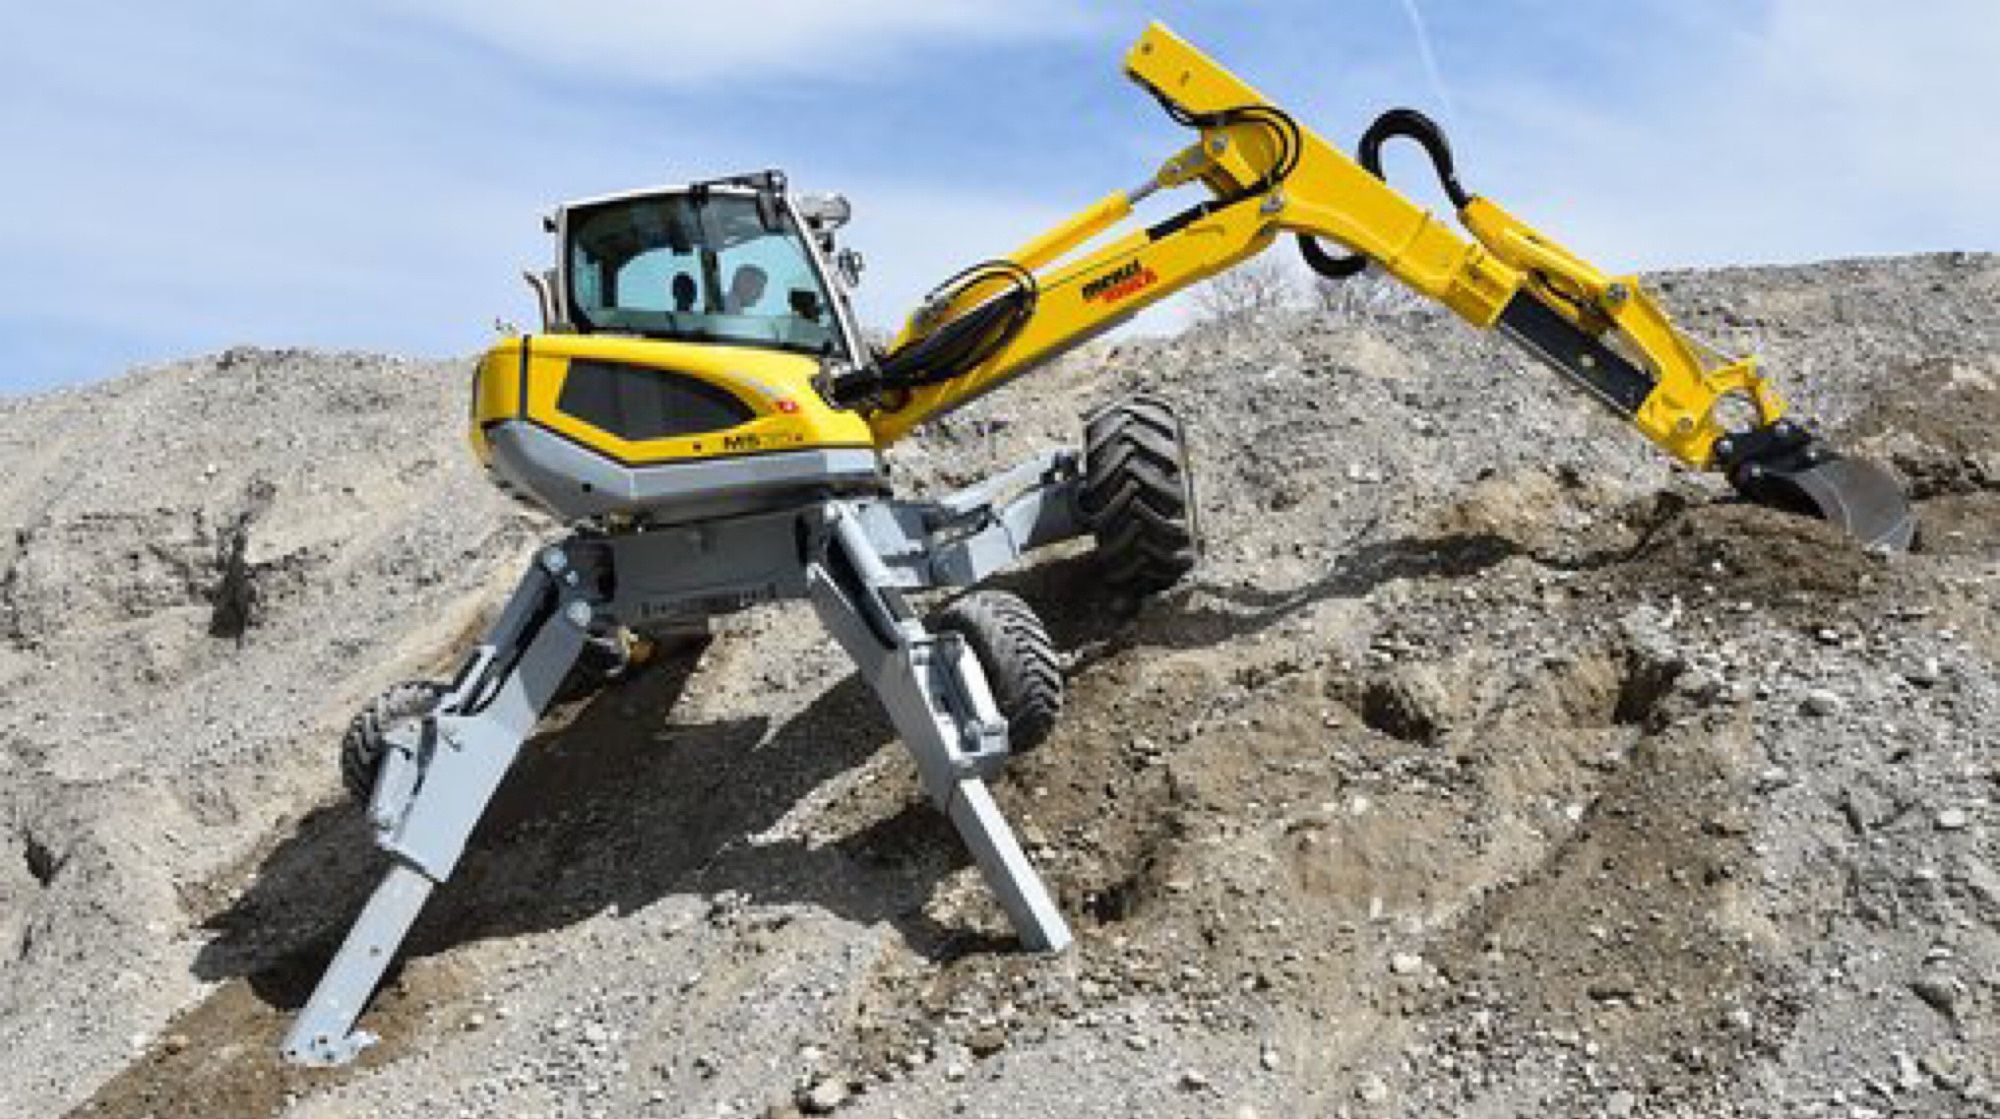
[732,262]
[687,336]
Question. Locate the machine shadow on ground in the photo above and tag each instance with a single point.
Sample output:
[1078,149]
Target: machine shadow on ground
[1072,604]
[612,811]
[620,807]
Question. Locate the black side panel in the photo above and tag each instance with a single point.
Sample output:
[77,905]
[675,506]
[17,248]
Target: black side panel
[637,402]
[1575,354]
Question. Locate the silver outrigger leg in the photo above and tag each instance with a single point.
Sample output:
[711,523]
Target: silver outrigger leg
[943,710]
[851,559]
[436,779]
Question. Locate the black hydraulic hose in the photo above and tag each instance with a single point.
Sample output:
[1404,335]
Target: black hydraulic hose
[1413,125]
[1283,129]
[960,344]
[1328,265]
[1408,124]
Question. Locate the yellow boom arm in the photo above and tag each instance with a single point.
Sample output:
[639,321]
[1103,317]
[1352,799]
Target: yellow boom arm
[1267,175]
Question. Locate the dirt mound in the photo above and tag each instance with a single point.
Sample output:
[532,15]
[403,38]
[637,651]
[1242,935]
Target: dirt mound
[1488,766]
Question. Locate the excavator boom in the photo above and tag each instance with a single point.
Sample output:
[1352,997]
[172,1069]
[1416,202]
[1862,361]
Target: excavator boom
[1265,175]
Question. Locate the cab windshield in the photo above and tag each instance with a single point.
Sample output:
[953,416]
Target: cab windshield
[697,268]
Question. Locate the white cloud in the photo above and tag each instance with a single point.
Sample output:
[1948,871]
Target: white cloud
[1887,100]
[1815,128]
[189,176]
[681,44]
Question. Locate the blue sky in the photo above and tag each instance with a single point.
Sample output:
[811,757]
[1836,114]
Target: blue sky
[188,176]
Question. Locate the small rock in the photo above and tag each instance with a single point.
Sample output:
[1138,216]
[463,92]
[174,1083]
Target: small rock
[825,1096]
[1269,1059]
[1937,994]
[1952,819]
[1406,963]
[954,1071]
[1908,1076]
[1138,1043]
[1620,1104]
[1193,1080]
[1940,1065]
[1819,701]
[474,1021]
[986,1042]
[1371,1089]
[177,1043]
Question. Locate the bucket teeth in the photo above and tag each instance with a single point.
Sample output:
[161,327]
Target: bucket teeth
[1785,468]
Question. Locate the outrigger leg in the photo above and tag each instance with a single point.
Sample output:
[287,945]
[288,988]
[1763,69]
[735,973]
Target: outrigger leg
[943,710]
[437,777]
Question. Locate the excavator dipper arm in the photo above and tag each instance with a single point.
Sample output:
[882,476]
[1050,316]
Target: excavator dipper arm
[1264,175]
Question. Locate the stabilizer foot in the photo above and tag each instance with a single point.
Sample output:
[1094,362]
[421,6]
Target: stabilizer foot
[1033,913]
[324,1033]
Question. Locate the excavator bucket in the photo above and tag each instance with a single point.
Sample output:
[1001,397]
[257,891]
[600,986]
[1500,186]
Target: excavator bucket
[1791,471]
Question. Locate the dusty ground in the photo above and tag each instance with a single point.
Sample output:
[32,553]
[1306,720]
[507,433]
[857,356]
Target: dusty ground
[1488,767]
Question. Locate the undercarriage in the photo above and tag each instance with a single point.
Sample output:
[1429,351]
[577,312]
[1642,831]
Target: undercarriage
[430,767]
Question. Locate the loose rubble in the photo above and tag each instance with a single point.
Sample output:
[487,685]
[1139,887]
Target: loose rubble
[1489,766]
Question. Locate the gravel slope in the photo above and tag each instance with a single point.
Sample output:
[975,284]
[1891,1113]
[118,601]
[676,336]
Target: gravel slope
[1488,767]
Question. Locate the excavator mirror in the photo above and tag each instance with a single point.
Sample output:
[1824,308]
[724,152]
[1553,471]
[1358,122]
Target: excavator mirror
[825,212]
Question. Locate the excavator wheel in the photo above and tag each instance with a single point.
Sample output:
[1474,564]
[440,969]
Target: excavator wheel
[1019,660]
[1138,492]
[361,747]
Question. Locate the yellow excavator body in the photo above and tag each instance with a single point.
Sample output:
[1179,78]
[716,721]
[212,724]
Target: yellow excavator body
[800,379]
[560,382]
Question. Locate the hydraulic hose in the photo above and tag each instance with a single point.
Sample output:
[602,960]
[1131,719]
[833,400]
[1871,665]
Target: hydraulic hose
[958,345]
[1407,124]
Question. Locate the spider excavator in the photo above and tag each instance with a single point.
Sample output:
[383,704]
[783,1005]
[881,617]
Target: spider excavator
[703,414]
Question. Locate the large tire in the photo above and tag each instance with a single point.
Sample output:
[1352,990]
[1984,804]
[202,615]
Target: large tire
[1019,660]
[361,747]
[1139,495]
